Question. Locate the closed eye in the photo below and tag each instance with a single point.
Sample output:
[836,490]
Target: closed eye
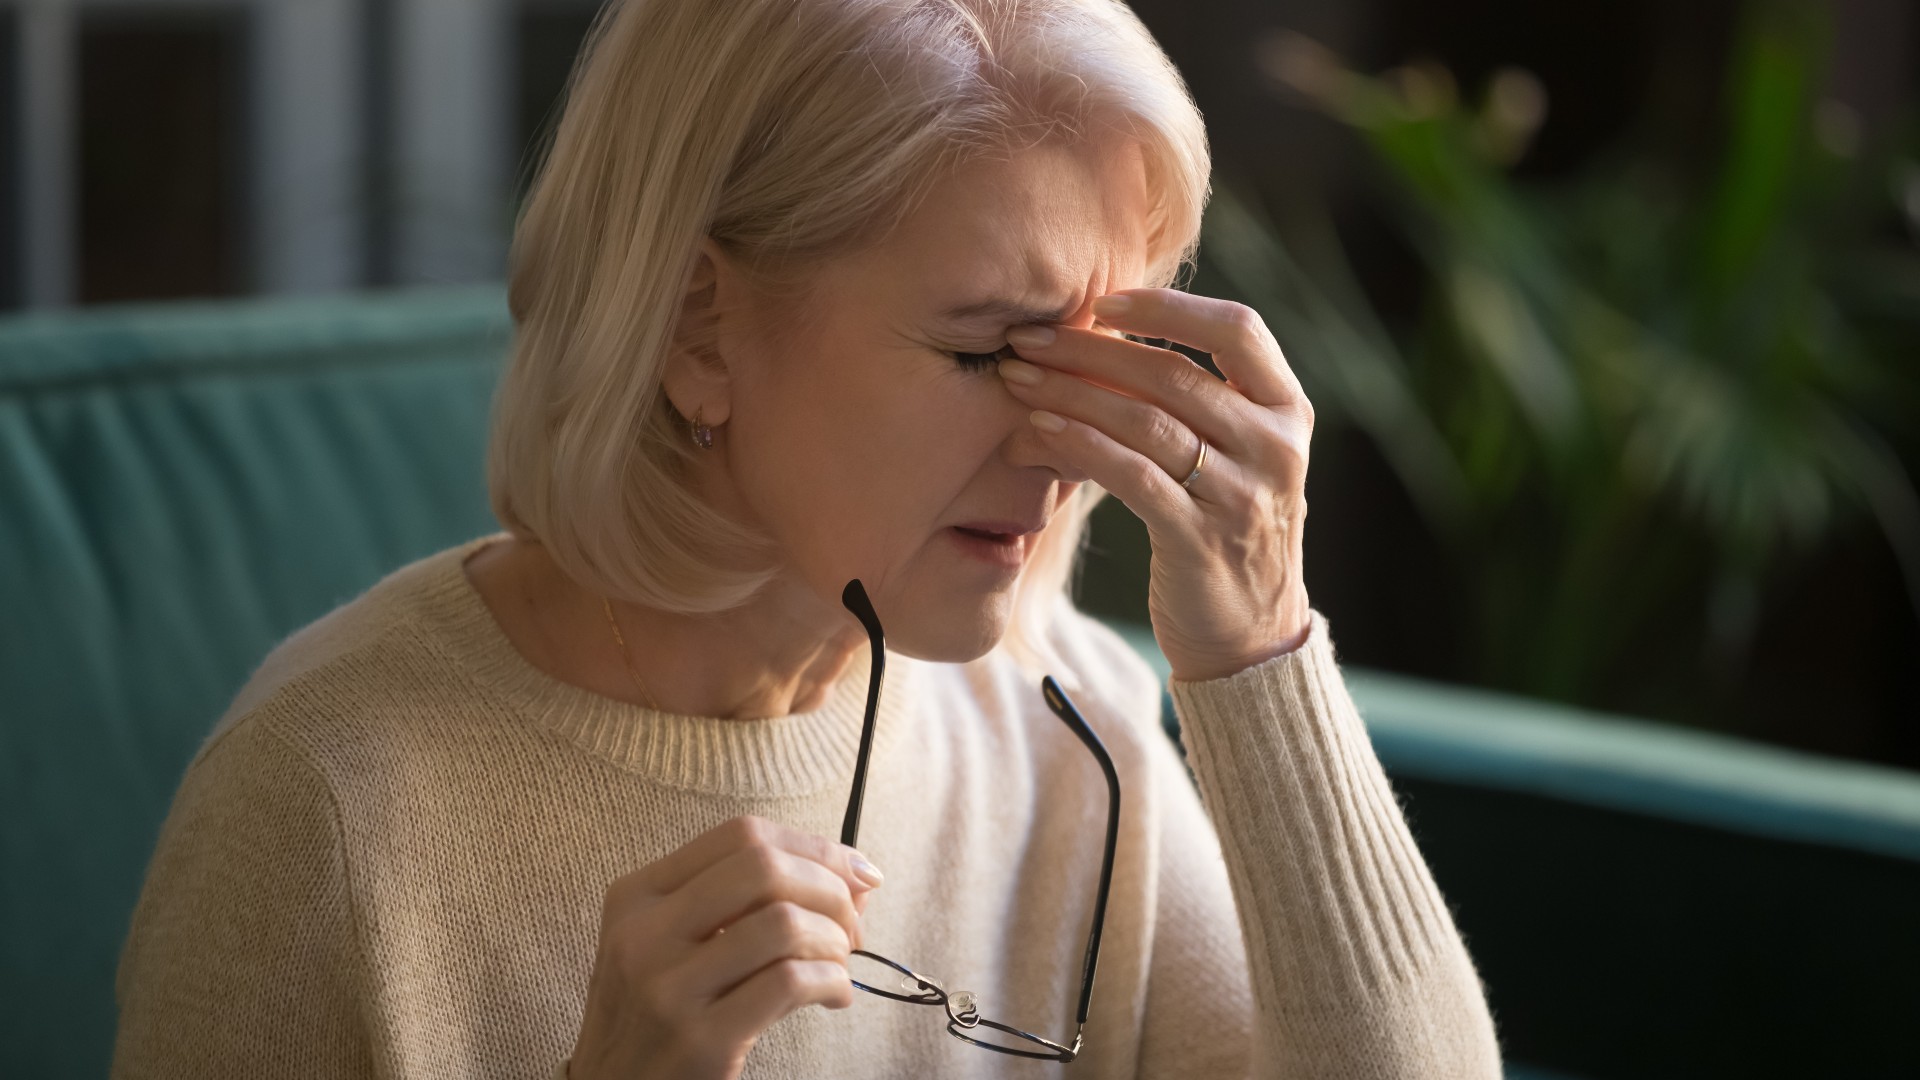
[973,361]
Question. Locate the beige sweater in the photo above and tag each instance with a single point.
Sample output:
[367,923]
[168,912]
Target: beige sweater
[387,860]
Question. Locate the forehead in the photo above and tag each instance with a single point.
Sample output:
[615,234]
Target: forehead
[1023,239]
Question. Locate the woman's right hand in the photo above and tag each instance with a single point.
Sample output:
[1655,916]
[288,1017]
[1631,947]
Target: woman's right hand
[671,995]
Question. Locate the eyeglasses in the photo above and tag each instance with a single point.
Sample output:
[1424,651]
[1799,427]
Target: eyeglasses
[964,1021]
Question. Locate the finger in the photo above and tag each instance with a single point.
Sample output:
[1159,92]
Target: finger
[753,878]
[776,990]
[1233,334]
[671,873]
[1161,377]
[776,931]
[1142,426]
[1138,480]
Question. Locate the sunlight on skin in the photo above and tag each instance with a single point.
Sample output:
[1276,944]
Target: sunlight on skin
[859,443]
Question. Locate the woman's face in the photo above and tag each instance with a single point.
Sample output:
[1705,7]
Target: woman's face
[862,443]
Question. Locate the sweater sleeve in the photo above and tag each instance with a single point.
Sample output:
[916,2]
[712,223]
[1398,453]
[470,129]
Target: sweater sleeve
[1355,965]
[242,959]
[1199,1008]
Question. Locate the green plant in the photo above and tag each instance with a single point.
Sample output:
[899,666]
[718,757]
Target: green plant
[1624,383]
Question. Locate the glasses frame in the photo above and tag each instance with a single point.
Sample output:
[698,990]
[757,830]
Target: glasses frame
[961,1006]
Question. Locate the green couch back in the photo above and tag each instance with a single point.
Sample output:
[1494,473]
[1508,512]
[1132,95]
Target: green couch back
[180,487]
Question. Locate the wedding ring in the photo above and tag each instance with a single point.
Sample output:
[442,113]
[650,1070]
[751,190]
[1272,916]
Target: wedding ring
[1197,466]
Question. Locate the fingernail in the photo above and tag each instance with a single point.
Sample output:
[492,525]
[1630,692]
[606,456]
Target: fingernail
[1020,371]
[1113,305]
[1047,421]
[866,871]
[1030,336]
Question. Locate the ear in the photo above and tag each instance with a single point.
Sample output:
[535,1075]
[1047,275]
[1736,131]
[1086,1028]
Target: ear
[697,374]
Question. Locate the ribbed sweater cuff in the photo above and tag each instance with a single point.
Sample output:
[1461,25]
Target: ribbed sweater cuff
[1339,910]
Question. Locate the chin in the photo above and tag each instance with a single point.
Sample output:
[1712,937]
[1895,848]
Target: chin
[953,640]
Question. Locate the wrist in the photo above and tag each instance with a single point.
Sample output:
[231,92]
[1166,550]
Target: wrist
[1203,670]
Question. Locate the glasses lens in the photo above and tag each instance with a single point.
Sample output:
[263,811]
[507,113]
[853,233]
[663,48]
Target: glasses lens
[878,975]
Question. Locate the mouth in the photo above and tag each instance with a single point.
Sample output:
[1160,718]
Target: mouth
[1009,539]
[1001,547]
[1002,528]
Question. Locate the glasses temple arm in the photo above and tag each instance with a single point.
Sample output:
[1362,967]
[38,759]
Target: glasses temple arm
[1062,707]
[854,597]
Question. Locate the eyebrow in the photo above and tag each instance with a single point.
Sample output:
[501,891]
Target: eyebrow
[1008,311]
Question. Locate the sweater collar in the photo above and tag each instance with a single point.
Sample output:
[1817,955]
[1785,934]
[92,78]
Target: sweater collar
[803,753]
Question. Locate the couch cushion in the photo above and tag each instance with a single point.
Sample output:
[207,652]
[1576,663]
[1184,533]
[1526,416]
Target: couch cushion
[183,486]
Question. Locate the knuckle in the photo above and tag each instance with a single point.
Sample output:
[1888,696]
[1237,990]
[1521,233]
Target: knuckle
[1245,321]
[1144,474]
[789,920]
[765,868]
[1164,430]
[752,830]
[1293,449]
[1181,377]
[789,977]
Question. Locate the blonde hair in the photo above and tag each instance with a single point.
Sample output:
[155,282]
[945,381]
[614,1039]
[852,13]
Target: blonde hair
[791,132]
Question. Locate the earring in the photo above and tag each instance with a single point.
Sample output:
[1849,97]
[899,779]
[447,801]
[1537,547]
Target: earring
[702,434]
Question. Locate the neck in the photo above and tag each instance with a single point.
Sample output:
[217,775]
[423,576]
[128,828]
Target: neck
[779,655]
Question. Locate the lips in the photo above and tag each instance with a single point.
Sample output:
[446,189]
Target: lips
[1008,551]
[991,537]
[1001,528]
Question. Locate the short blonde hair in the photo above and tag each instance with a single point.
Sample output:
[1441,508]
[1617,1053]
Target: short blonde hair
[791,132]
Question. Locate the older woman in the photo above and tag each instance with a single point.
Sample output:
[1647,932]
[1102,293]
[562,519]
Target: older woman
[831,317]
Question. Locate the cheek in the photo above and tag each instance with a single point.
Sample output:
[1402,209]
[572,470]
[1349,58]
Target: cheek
[936,438]
[835,456]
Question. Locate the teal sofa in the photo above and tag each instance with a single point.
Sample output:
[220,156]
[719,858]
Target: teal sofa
[181,486]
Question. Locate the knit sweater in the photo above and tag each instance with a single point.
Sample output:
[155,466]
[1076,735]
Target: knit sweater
[388,859]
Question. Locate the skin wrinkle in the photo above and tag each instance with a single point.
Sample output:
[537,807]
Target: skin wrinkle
[858,443]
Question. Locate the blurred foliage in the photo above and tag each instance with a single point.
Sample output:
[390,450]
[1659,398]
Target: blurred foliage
[1633,393]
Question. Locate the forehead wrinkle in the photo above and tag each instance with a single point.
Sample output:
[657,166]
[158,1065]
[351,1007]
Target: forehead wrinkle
[1000,308]
[1064,249]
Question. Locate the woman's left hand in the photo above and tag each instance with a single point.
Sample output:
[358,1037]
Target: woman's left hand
[1225,589]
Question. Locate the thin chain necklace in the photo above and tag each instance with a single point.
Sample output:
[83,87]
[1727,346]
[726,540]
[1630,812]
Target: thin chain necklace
[606,605]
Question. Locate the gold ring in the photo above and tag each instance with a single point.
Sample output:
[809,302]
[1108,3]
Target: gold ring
[1197,466]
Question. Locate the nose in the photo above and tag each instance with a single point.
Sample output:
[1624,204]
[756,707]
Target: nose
[1025,445]
[1028,447]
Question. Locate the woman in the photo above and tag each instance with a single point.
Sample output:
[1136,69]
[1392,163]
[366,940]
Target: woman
[811,292]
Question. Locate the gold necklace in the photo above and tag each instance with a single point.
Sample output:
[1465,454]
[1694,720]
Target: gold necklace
[606,605]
